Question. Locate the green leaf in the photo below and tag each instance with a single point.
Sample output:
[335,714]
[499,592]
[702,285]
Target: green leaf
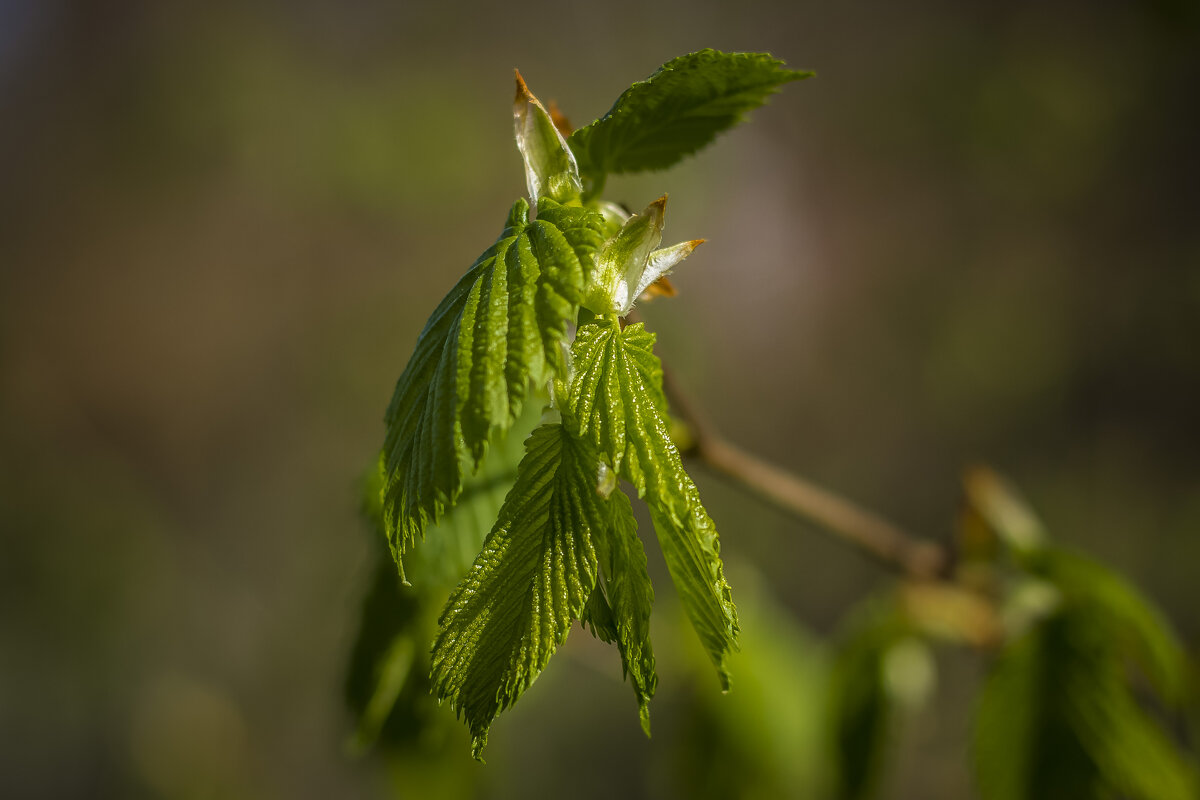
[767,741]
[500,327]
[440,561]
[1025,746]
[585,231]
[598,616]
[622,261]
[861,707]
[550,169]
[619,609]
[1136,628]
[387,687]
[382,656]
[533,577]
[629,262]
[677,110]
[1057,719]
[617,403]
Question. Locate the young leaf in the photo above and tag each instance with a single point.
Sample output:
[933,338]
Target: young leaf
[440,561]
[584,230]
[387,687]
[1132,624]
[617,402]
[533,577]
[619,609]
[383,653]
[677,110]
[550,168]
[616,396]
[501,326]
[1056,719]
[1024,745]
[628,262]
[861,708]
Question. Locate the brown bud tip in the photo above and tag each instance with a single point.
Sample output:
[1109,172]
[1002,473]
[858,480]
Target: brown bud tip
[697,242]
[559,119]
[523,92]
[660,288]
[660,203]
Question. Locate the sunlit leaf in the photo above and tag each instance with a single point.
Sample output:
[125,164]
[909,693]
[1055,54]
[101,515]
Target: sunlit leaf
[536,571]
[619,610]
[501,327]
[617,402]
[678,110]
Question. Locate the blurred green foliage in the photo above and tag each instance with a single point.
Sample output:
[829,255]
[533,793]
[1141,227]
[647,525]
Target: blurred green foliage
[976,239]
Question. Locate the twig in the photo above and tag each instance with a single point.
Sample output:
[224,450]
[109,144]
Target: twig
[886,542]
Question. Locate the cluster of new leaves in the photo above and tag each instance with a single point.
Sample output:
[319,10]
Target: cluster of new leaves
[1086,670]
[1059,715]
[538,320]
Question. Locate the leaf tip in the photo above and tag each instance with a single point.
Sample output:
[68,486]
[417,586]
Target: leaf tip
[644,716]
[478,742]
[523,93]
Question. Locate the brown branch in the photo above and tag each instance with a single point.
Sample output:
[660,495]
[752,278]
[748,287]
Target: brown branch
[886,542]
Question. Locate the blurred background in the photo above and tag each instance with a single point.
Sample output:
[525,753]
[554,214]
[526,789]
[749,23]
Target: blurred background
[973,237]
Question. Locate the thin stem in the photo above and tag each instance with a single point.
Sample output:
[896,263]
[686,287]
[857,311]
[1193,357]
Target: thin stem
[885,541]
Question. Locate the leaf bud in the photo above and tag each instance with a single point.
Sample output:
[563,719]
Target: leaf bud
[550,168]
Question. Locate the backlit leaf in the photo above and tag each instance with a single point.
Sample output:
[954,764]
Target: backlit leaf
[617,402]
[533,577]
[499,328]
[678,110]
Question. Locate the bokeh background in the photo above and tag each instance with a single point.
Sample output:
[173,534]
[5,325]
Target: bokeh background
[975,236]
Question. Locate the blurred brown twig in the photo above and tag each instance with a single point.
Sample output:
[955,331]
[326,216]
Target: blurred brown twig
[916,558]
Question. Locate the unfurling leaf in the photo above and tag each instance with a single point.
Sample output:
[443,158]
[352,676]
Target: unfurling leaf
[550,169]
[628,262]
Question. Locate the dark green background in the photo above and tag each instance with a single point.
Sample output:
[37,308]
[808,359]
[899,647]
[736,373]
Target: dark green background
[975,236]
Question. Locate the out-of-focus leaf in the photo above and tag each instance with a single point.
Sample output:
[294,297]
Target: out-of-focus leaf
[1024,745]
[1058,716]
[1000,507]
[764,740]
[1135,627]
[383,652]
[387,686]
[866,683]
[1056,719]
